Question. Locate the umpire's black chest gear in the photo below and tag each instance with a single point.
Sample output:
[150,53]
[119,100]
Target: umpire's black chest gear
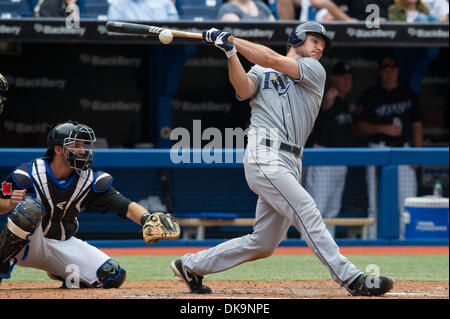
[65,199]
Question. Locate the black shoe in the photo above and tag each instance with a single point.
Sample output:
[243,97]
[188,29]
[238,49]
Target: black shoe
[370,285]
[192,281]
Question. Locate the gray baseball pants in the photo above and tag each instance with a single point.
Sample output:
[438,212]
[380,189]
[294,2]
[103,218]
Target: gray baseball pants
[275,177]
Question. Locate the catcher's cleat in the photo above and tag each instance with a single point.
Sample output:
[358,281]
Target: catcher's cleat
[192,281]
[370,285]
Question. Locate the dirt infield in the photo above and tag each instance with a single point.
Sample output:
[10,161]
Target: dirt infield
[316,289]
[323,289]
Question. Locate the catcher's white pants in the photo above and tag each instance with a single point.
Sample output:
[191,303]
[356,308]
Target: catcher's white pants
[407,187]
[275,176]
[72,258]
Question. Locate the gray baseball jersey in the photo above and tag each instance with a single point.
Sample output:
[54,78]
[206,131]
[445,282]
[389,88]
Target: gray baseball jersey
[287,105]
[287,108]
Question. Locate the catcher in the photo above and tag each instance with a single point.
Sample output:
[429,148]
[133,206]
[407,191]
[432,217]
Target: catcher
[43,199]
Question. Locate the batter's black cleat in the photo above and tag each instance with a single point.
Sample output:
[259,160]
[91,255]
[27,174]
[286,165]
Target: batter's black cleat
[192,281]
[370,285]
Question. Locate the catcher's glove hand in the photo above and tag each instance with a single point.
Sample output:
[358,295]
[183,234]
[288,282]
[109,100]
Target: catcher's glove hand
[159,226]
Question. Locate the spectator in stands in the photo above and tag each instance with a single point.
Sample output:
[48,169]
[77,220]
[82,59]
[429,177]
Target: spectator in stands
[318,10]
[410,11]
[357,8]
[55,8]
[438,8]
[414,62]
[142,10]
[333,128]
[246,10]
[390,116]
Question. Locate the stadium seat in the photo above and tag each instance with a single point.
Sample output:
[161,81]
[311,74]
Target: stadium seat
[10,9]
[94,9]
[27,8]
[198,10]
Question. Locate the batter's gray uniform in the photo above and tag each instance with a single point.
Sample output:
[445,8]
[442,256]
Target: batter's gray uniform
[283,111]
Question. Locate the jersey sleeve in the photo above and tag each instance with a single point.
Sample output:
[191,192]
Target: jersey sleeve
[312,75]
[19,179]
[110,200]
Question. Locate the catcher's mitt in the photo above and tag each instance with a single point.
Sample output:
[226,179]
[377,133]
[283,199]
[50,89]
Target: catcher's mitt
[160,226]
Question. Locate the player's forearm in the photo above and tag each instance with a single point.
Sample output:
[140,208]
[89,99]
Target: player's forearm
[368,129]
[5,205]
[256,53]
[268,58]
[238,78]
[135,212]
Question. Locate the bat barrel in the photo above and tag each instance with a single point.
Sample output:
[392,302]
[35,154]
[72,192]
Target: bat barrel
[131,28]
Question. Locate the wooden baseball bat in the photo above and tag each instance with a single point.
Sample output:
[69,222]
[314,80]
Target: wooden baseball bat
[134,28]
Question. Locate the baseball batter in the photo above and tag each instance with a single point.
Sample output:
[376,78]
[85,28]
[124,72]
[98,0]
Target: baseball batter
[286,94]
[43,199]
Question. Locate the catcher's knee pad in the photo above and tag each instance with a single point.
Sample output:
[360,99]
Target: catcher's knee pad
[111,275]
[21,223]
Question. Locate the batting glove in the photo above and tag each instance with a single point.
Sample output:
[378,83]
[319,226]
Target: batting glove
[219,38]
[210,35]
[223,44]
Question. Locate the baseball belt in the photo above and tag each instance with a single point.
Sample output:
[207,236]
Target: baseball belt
[295,150]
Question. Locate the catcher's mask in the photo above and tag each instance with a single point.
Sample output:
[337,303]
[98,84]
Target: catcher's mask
[3,88]
[78,140]
[298,35]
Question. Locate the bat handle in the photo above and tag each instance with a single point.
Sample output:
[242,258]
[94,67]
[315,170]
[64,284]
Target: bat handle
[230,39]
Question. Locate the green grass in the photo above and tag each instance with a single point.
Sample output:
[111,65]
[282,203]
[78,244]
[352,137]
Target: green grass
[275,268]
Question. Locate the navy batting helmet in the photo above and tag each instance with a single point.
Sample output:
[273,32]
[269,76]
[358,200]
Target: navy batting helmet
[298,35]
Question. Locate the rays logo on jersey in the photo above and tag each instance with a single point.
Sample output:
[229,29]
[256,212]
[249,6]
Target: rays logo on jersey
[273,80]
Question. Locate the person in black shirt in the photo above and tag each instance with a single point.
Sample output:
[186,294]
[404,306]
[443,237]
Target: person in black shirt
[357,8]
[43,199]
[389,115]
[333,128]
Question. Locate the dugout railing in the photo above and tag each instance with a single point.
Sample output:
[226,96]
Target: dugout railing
[135,169]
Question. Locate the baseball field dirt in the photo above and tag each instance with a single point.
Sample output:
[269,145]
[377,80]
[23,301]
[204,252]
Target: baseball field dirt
[235,289]
[316,289]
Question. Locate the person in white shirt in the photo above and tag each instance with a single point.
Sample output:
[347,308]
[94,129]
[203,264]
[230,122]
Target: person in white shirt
[438,8]
[142,10]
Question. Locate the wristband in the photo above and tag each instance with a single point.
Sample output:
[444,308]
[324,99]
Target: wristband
[144,218]
[230,53]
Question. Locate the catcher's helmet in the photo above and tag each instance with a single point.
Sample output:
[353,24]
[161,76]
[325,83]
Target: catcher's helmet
[67,135]
[3,88]
[298,35]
